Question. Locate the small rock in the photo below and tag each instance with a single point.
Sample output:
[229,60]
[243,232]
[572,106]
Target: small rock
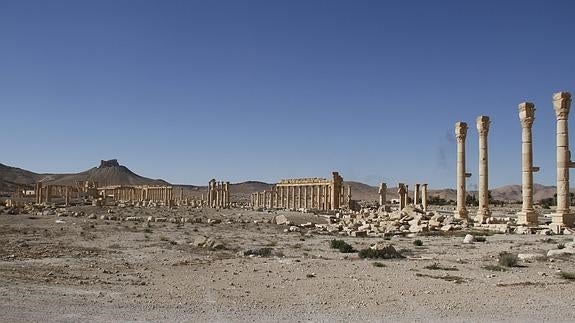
[468,238]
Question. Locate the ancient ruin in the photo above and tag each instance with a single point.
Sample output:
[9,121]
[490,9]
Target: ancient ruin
[460,134]
[382,194]
[218,194]
[483,212]
[527,216]
[562,216]
[307,193]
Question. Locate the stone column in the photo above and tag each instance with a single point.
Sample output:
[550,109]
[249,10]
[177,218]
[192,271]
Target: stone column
[460,134]
[424,197]
[67,197]
[402,192]
[326,190]
[562,216]
[305,197]
[382,194]
[483,212]
[337,182]
[349,196]
[527,216]
[416,194]
[38,192]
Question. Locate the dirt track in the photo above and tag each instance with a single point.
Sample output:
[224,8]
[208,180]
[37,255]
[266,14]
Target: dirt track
[104,270]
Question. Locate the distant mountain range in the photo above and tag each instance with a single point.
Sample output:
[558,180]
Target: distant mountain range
[110,172]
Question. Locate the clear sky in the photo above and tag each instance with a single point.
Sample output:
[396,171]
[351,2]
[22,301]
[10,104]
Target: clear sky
[264,90]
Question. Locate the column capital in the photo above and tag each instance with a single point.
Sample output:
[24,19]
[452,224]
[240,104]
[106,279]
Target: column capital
[482,123]
[526,114]
[561,104]
[460,131]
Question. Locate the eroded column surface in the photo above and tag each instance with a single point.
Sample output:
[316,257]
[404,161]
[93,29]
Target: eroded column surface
[562,215]
[460,135]
[382,194]
[483,212]
[424,197]
[416,194]
[527,215]
[402,192]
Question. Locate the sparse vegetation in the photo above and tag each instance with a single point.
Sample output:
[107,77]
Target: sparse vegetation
[261,252]
[384,253]
[480,238]
[567,275]
[378,264]
[450,278]
[508,259]
[437,266]
[560,246]
[342,246]
[418,243]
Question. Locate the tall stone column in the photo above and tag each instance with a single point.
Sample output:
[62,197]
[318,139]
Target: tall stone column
[416,194]
[483,212]
[305,197]
[67,197]
[402,192]
[424,197]
[336,184]
[349,196]
[527,216]
[562,216]
[460,134]
[382,194]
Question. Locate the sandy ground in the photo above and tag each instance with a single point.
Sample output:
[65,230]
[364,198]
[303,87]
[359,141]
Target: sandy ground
[106,270]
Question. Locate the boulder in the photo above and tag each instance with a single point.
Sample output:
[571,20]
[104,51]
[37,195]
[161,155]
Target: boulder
[468,238]
[280,219]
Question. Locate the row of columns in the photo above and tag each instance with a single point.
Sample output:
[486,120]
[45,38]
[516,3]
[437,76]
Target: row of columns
[310,196]
[45,193]
[139,193]
[483,211]
[562,216]
[419,194]
[218,194]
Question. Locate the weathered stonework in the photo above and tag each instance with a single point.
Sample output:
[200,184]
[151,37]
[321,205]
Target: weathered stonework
[527,216]
[309,193]
[483,212]
[460,134]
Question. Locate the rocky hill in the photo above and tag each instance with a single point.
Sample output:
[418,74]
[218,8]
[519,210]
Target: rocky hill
[110,172]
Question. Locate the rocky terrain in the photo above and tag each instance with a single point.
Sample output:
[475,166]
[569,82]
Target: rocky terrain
[123,263]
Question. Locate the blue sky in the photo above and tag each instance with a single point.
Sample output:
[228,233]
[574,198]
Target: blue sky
[264,90]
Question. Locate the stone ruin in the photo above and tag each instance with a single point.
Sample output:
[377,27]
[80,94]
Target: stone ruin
[305,193]
[562,217]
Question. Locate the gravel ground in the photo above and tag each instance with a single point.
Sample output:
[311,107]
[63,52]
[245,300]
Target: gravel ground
[105,270]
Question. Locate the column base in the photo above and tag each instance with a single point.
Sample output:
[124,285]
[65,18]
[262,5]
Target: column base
[461,214]
[482,216]
[562,219]
[528,218]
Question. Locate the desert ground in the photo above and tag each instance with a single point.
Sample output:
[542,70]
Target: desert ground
[92,266]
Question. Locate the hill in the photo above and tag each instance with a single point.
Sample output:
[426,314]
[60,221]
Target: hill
[110,172]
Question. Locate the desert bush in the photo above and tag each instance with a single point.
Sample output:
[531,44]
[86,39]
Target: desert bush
[262,252]
[341,245]
[418,243]
[507,259]
[560,246]
[378,264]
[567,275]
[388,252]
[480,238]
